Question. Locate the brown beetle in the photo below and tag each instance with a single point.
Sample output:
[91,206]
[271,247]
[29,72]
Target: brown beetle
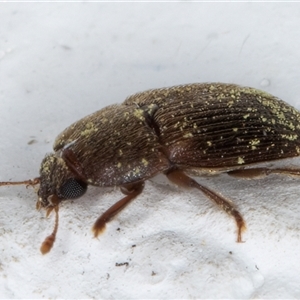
[198,129]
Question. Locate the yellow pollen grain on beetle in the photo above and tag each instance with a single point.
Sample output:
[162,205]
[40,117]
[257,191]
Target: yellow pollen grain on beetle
[119,165]
[209,143]
[290,137]
[145,162]
[254,142]
[139,113]
[230,103]
[240,161]
[292,126]
[89,128]
[264,119]
[187,135]
[176,125]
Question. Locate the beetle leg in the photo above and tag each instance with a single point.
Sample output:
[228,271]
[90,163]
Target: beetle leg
[181,179]
[131,191]
[262,172]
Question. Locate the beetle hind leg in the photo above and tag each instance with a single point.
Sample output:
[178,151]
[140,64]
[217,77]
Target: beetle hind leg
[262,172]
[131,191]
[181,179]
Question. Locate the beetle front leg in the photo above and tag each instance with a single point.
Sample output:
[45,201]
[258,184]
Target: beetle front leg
[181,179]
[132,191]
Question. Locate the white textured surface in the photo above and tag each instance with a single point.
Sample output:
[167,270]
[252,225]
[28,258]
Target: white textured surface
[59,62]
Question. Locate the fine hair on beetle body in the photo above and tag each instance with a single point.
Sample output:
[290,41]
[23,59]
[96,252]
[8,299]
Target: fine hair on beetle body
[201,129]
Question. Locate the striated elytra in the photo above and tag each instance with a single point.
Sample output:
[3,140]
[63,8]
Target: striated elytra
[196,129]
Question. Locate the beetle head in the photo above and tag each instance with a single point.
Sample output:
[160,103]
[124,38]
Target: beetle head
[57,182]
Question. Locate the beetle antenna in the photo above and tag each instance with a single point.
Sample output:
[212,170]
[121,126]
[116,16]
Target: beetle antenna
[49,240]
[30,182]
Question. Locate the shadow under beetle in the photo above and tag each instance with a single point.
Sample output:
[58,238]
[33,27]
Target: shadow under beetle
[195,129]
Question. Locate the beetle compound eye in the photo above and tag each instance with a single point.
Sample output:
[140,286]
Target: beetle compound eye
[72,189]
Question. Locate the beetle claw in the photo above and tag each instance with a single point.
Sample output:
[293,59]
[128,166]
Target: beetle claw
[98,228]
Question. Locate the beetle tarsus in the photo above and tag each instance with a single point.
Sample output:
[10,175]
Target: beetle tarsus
[49,240]
[240,224]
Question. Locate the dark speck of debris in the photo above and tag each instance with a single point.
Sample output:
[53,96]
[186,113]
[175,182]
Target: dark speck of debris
[118,229]
[65,47]
[122,264]
[230,252]
[133,246]
[32,142]
[153,273]
[256,267]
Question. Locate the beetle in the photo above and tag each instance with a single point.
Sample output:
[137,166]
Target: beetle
[196,129]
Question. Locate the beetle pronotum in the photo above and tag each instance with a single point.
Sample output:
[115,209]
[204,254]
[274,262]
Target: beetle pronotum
[198,129]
